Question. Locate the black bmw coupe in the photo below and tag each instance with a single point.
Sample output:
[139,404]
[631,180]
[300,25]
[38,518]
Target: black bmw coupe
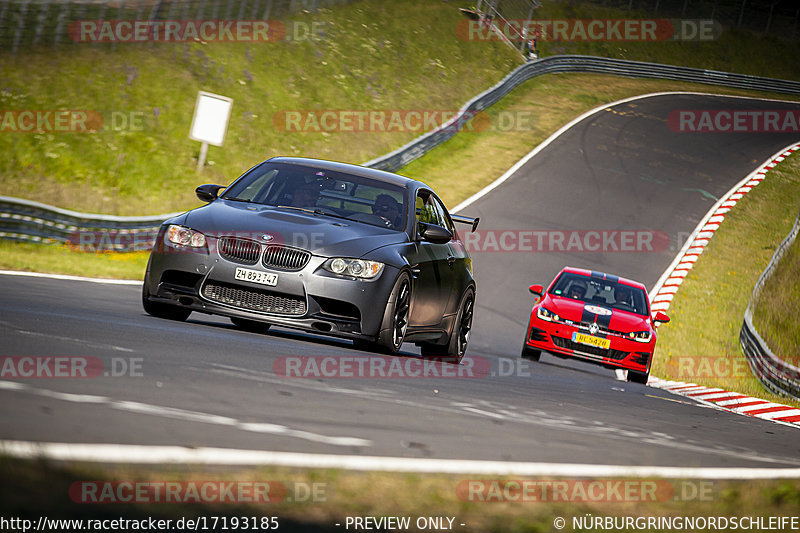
[324,247]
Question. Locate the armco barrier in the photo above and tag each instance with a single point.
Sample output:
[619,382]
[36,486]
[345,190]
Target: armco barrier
[32,221]
[777,375]
[24,220]
[564,64]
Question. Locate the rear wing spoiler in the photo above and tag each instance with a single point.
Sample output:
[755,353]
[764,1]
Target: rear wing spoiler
[467,220]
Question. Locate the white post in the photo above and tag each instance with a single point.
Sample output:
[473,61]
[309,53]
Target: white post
[202,159]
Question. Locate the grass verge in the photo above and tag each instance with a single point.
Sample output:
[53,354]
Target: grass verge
[701,343]
[41,485]
[59,259]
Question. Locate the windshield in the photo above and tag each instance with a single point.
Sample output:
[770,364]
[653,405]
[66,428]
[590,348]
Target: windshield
[323,192]
[601,292]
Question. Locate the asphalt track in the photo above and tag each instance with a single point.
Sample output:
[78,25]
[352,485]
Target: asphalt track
[205,383]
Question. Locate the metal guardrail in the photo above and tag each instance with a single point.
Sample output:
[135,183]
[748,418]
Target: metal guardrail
[777,375]
[571,64]
[30,221]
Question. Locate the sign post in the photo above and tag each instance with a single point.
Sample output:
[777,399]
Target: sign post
[210,122]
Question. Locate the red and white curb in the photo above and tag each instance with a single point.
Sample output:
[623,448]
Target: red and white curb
[671,280]
[731,401]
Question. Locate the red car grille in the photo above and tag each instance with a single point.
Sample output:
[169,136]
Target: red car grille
[561,342]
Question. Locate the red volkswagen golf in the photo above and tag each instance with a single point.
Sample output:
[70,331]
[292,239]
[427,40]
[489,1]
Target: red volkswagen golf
[596,317]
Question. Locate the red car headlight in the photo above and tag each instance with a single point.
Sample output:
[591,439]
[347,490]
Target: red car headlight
[546,314]
[640,336]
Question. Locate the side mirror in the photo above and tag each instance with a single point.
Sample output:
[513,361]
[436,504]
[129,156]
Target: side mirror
[536,289]
[208,192]
[435,234]
[660,317]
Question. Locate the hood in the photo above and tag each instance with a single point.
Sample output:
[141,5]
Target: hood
[604,315]
[321,235]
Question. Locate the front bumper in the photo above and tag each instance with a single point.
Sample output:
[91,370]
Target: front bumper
[310,299]
[556,338]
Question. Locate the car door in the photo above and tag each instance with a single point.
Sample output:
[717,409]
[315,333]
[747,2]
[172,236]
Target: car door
[432,265]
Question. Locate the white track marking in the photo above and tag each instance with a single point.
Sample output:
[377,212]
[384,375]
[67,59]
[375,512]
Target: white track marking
[71,278]
[133,454]
[82,342]
[186,416]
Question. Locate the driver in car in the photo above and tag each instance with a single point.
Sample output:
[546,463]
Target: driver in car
[388,209]
[578,290]
[622,296]
[306,195]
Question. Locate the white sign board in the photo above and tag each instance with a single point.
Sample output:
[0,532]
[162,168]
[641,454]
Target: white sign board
[210,121]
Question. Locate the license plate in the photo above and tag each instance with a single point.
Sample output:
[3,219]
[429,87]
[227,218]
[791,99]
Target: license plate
[591,341]
[264,278]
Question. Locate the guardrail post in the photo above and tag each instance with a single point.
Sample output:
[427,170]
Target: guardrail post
[40,22]
[796,17]
[741,14]
[20,25]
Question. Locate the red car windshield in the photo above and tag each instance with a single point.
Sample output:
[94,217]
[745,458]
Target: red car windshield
[601,292]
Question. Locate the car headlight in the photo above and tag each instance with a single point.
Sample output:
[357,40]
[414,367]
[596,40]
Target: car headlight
[357,268]
[184,236]
[640,336]
[546,314]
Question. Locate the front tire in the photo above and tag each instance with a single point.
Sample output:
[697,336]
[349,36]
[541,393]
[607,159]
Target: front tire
[396,315]
[638,377]
[530,354]
[162,310]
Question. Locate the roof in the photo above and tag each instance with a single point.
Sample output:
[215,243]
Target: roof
[356,170]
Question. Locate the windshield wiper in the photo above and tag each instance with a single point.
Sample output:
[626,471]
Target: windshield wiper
[315,211]
[319,211]
[245,200]
[303,209]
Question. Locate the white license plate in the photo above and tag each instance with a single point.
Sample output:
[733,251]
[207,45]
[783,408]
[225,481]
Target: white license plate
[264,278]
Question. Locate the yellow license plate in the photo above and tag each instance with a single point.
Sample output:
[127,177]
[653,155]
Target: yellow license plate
[591,341]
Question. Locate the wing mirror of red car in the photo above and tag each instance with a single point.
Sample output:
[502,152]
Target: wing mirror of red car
[660,317]
[536,289]
[208,192]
